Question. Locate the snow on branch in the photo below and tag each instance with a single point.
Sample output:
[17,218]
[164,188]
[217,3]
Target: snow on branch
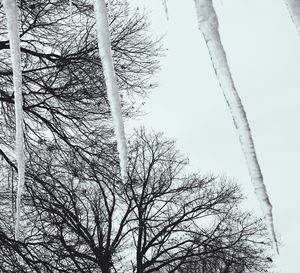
[294,10]
[104,44]
[11,11]
[209,26]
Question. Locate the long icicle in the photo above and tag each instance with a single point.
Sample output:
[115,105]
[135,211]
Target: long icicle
[294,10]
[11,11]
[104,45]
[209,26]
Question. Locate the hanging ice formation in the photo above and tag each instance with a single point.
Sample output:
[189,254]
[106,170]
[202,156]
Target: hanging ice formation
[209,26]
[104,44]
[10,7]
[294,10]
[165,5]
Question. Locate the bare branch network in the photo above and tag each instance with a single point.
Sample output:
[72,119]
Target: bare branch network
[80,213]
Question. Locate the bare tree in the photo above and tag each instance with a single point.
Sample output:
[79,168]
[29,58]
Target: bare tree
[70,221]
[182,220]
[80,217]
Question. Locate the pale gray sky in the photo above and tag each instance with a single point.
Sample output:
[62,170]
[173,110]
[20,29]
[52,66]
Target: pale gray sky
[263,51]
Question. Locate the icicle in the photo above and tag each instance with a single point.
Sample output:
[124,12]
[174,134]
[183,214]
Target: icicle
[165,5]
[10,7]
[209,26]
[294,10]
[104,44]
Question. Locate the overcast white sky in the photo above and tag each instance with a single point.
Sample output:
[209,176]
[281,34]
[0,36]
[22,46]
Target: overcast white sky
[263,51]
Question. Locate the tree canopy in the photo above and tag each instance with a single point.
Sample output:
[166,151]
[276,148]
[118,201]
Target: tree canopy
[80,217]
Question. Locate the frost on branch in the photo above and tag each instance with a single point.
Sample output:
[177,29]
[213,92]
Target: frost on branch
[209,26]
[294,10]
[104,44]
[10,7]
